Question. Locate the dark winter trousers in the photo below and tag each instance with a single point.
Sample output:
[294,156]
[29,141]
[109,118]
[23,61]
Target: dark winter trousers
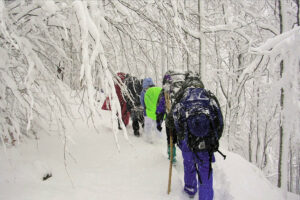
[168,132]
[136,117]
[205,184]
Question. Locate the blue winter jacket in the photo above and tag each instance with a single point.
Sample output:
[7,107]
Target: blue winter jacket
[161,108]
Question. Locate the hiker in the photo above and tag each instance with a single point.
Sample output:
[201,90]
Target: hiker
[199,125]
[132,98]
[149,97]
[106,105]
[171,82]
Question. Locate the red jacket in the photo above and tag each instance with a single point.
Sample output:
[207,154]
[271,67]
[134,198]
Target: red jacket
[106,104]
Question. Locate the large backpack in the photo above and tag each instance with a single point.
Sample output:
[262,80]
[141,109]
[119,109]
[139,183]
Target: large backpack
[198,117]
[134,88]
[172,82]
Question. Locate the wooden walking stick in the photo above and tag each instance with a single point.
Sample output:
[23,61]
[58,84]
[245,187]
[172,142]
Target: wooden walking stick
[168,105]
[171,160]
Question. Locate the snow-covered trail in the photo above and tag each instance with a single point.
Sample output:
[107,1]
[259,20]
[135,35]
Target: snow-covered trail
[94,169]
[138,171]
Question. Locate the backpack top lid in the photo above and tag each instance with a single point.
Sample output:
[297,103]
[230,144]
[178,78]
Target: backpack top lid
[172,82]
[173,76]
[193,80]
[133,81]
[147,82]
[121,75]
[133,90]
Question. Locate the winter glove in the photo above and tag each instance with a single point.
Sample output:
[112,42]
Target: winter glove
[159,118]
[158,127]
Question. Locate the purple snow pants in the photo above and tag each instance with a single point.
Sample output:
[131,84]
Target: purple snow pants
[190,160]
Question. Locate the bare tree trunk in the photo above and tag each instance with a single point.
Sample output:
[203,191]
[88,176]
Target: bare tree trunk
[167,52]
[290,185]
[298,12]
[265,146]
[187,56]
[298,175]
[250,141]
[163,59]
[279,182]
[258,144]
[199,28]
[280,132]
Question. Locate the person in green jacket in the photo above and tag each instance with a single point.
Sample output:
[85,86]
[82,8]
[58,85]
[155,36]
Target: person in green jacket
[149,97]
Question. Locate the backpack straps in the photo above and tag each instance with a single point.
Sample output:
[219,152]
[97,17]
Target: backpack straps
[217,135]
[223,155]
[198,173]
[197,167]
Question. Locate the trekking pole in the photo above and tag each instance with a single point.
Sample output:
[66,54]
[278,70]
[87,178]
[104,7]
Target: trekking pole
[168,106]
[171,161]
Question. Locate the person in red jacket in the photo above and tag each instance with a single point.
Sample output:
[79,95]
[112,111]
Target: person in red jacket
[106,104]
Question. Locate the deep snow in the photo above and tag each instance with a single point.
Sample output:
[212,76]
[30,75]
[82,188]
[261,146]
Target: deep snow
[95,169]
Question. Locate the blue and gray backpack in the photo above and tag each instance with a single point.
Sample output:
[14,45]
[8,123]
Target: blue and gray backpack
[198,119]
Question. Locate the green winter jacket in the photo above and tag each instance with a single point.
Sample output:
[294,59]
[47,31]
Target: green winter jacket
[151,97]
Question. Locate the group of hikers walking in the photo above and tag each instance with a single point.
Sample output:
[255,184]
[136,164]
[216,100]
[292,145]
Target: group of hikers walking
[193,122]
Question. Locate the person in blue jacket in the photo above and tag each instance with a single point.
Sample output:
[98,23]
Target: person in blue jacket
[147,83]
[197,158]
[149,96]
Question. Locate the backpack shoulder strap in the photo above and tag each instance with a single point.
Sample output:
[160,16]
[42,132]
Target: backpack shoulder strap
[216,109]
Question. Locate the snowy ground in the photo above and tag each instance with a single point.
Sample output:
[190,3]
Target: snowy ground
[94,169]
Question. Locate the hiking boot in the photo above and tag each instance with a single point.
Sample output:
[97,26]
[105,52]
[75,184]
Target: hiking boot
[137,133]
[187,195]
[174,161]
[119,125]
[174,153]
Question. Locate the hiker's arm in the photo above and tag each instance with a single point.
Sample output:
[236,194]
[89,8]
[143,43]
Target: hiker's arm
[178,117]
[142,98]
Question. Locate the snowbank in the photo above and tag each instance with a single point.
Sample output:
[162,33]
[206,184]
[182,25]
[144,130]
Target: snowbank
[90,167]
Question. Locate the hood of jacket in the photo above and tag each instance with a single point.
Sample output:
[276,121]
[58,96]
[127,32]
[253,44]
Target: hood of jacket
[147,82]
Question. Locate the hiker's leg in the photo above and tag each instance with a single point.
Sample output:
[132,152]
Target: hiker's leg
[168,140]
[174,153]
[147,129]
[174,139]
[157,132]
[135,122]
[205,188]
[119,125]
[190,180]
[174,135]
[140,116]
[168,134]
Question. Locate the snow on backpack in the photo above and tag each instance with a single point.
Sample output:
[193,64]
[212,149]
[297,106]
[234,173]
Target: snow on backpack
[200,119]
[133,90]
[172,82]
